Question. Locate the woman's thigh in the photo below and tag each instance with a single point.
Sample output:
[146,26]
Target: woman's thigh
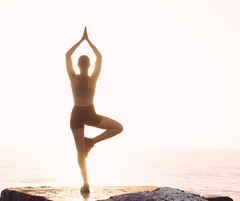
[79,137]
[108,123]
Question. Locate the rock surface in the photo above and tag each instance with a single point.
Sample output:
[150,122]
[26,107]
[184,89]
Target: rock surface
[110,193]
[160,194]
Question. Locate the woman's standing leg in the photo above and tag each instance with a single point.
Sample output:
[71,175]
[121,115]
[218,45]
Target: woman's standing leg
[80,146]
[113,128]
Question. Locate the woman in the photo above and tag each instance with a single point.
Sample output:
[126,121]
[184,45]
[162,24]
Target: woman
[83,112]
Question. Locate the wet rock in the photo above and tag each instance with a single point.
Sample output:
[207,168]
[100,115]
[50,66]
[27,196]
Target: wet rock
[160,194]
[220,199]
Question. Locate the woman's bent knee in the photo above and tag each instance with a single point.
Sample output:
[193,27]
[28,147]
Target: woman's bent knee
[120,128]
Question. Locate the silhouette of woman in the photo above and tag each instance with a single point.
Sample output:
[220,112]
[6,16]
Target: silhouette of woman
[83,112]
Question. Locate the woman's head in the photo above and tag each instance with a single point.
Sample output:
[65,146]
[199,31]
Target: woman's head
[83,62]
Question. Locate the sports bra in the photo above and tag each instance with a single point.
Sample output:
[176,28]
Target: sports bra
[88,94]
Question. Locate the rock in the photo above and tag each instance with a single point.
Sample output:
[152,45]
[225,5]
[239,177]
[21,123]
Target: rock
[160,194]
[116,193]
[9,195]
[220,199]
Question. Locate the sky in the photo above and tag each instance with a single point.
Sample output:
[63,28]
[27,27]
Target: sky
[170,71]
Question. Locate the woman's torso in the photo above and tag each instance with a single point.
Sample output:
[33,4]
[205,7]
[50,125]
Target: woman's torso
[83,101]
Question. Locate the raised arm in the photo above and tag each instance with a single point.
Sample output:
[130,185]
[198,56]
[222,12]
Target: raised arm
[98,63]
[69,65]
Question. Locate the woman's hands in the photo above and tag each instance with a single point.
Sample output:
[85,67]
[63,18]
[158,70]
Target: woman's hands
[85,34]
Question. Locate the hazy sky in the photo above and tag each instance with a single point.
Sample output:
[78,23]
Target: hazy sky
[170,75]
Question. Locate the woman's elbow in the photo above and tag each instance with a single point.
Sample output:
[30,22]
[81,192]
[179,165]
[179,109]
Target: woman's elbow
[99,56]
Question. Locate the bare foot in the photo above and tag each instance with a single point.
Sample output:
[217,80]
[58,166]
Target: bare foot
[85,189]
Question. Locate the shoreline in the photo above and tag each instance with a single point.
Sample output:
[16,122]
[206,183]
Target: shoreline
[46,193]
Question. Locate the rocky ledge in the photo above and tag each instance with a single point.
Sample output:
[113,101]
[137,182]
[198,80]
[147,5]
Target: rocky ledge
[164,194]
[107,193]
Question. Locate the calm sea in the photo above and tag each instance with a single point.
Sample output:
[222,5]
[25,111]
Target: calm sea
[201,171]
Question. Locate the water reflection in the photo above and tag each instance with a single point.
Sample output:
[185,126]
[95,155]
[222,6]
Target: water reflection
[85,196]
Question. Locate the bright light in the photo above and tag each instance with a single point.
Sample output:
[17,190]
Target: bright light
[170,71]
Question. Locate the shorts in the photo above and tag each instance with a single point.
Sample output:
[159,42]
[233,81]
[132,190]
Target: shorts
[84,115]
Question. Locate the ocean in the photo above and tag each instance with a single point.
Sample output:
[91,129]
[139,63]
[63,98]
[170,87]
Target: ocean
[202,171]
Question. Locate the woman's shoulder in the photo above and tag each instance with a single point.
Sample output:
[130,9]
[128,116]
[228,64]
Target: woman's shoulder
[75,81]
[91,82]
